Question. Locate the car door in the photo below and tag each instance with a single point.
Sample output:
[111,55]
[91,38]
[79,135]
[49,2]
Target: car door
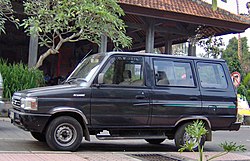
[218,94]
[123,98]
[175,95]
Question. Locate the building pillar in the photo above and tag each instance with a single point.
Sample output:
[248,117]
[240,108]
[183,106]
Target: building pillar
[103,47]
[168,47]
[191,50]
[33,48]
[150,37]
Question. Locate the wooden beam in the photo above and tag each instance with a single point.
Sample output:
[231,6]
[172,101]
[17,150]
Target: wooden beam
[160,29]
[136,25]
[171,30]
[137,37]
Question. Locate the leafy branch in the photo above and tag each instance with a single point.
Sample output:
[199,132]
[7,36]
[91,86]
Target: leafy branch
[6,13]
[56,22]
[228,147]
[212,46]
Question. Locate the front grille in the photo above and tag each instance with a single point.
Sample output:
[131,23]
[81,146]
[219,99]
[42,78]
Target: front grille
[16,102]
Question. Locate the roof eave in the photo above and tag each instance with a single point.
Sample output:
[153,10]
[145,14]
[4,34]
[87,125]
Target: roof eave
[236,27]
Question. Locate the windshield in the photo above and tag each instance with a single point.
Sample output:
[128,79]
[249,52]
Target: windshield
[86,68]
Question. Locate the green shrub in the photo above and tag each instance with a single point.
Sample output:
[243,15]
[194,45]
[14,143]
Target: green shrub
[248,95]
[18,77]
[196,131]
[242,90]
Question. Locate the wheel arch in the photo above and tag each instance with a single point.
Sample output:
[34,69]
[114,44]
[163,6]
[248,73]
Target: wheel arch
[73,112]
[194,118]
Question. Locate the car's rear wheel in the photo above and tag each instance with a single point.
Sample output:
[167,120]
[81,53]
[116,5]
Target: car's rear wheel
[154,141]
[64,133]
[38,136]
[181,137]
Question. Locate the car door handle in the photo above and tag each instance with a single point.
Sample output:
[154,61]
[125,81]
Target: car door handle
[140,96]
[212,106]
[193,98]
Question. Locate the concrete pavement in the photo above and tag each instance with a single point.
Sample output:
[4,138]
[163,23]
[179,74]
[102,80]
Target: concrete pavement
[67,156]
[111,156]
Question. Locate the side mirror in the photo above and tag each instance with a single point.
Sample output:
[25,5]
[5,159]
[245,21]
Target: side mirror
[101,78]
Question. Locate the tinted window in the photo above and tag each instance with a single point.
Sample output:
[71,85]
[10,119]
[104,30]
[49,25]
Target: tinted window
[171,73]
[212,75]
[124,70]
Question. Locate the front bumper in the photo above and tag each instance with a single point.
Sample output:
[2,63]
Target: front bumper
[28,121]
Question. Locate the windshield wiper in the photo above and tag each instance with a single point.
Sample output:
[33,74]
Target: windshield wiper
[71,79]
[80,80]
[74,79]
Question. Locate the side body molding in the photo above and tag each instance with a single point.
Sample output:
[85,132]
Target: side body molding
[69,109]
[192,118]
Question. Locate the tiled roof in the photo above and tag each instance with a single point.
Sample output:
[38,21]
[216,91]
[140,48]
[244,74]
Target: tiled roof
[189,7]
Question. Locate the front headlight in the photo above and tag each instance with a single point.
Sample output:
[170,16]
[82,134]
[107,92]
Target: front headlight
[29,103]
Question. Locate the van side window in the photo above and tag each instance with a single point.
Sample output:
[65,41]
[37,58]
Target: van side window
[173,73]
[124,71]
[212,75]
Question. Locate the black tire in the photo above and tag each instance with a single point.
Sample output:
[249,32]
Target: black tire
[64,133]
[154,141]
[181,137]
[39,136]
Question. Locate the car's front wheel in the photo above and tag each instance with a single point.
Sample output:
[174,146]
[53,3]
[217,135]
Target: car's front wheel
[64,133]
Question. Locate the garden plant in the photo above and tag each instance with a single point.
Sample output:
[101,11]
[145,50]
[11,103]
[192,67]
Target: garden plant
[18,77]
[196,131]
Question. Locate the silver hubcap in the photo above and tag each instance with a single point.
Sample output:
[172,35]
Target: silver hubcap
[188,139]
[65,134]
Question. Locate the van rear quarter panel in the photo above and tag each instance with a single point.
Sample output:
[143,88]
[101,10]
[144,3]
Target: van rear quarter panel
[219,104]
[219,107]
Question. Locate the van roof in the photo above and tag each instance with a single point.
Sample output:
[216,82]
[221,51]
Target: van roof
[164,56]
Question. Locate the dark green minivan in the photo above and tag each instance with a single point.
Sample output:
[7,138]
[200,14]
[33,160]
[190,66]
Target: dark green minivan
[132,96]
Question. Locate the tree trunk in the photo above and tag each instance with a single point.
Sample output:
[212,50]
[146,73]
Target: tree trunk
[48,52]
[43,56]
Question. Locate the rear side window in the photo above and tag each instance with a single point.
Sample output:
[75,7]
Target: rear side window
[173,73]
[212,75]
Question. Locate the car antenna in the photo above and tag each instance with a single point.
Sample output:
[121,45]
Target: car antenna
[86,55]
